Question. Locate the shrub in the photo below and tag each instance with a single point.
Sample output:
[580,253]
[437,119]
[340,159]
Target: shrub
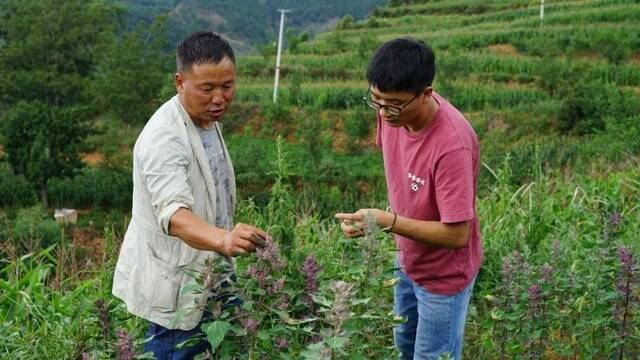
[357,125]
[586,105]
[277,117]
[366,45]
[15,190]
[34,224]
[106,187]
[345,23]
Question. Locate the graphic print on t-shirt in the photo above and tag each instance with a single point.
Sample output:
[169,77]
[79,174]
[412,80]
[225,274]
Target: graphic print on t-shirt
[221,177]
[416,182]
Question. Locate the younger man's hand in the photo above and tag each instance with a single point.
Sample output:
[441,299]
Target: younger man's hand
[352,225]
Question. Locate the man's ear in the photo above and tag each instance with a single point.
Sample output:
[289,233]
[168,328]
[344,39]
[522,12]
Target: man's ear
[427,92]
[179,79]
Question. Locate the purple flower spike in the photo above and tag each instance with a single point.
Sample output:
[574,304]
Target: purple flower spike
[250,325]
[627,275]
[507,269]
[626,258]
[517,258]
[555,247]
[340,312]
[281,342]
[547,273]
[535,300]
[534,294]
[614,219]
[125,345]
[310,269]
[276,286]
[270,253]
[284,302]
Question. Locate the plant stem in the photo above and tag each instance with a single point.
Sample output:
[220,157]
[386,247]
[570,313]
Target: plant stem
[627,298]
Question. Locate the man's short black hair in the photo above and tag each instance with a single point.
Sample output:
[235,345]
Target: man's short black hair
[202,47]
[402,64]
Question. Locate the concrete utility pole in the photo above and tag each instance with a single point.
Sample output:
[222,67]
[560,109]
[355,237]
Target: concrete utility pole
[541,11]
[275,86]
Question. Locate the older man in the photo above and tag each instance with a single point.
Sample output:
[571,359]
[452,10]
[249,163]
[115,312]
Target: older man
[183,199]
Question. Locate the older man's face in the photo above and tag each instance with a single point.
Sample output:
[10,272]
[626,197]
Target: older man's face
[207,90]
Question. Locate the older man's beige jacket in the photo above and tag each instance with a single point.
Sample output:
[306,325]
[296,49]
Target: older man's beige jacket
[170,171]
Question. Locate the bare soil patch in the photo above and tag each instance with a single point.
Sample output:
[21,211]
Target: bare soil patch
[92,159]
[506,49]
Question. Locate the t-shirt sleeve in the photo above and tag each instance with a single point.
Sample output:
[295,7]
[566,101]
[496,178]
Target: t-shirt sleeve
[455,189]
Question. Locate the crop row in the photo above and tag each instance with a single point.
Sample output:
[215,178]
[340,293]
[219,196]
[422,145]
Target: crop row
[467,97]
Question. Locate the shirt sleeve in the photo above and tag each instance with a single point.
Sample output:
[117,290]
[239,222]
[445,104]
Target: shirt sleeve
[455,189]
[163,161]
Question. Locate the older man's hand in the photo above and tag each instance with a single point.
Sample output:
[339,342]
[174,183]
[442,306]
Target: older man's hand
[242,239]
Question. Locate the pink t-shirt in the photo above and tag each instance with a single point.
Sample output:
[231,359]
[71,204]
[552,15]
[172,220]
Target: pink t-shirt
[432,175]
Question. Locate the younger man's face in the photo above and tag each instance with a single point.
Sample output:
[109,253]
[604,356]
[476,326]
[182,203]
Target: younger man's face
[406,103]
[207,90]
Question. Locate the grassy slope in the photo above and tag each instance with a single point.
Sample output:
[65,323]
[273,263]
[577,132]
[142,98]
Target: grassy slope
[554,199]
[496,62]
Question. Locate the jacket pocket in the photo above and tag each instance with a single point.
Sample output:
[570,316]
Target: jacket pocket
[165,260]
[165,283]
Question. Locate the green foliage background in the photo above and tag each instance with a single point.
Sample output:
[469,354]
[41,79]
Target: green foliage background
[555,105]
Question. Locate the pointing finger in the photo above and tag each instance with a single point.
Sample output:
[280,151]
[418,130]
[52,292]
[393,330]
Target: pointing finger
[344,216]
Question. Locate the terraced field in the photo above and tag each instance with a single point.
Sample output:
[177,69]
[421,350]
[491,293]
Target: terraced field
[496,61]
[556,106]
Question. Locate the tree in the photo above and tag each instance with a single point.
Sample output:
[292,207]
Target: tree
[131,72]
[396,3]
[47,54]
[268,50]
[345,23]
[52,151]
[292,40]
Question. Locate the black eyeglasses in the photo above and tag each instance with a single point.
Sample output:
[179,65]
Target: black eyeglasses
[393,110]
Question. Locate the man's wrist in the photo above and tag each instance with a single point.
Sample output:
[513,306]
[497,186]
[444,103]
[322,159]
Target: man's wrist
[217,239]
[388,221]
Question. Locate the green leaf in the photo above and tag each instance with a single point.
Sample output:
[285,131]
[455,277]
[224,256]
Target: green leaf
[337,342]
[238,330]
[285,316]
[361,301]
[311,354]
[263,335]
[216,332]
[247,305]
[191,288]
[369,316]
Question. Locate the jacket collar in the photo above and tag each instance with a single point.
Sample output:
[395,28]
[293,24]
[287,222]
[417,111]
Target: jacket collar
[197,147]
[201,156]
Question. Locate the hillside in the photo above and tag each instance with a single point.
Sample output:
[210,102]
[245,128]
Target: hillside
[555,104]
[529,87]
[247,22]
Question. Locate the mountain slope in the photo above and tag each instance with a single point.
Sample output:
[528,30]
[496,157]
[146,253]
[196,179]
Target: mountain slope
[246,22]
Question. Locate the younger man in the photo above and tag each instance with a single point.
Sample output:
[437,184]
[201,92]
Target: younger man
[431,160]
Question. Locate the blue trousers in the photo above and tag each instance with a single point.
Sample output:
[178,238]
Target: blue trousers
[435,323]
[164,341]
